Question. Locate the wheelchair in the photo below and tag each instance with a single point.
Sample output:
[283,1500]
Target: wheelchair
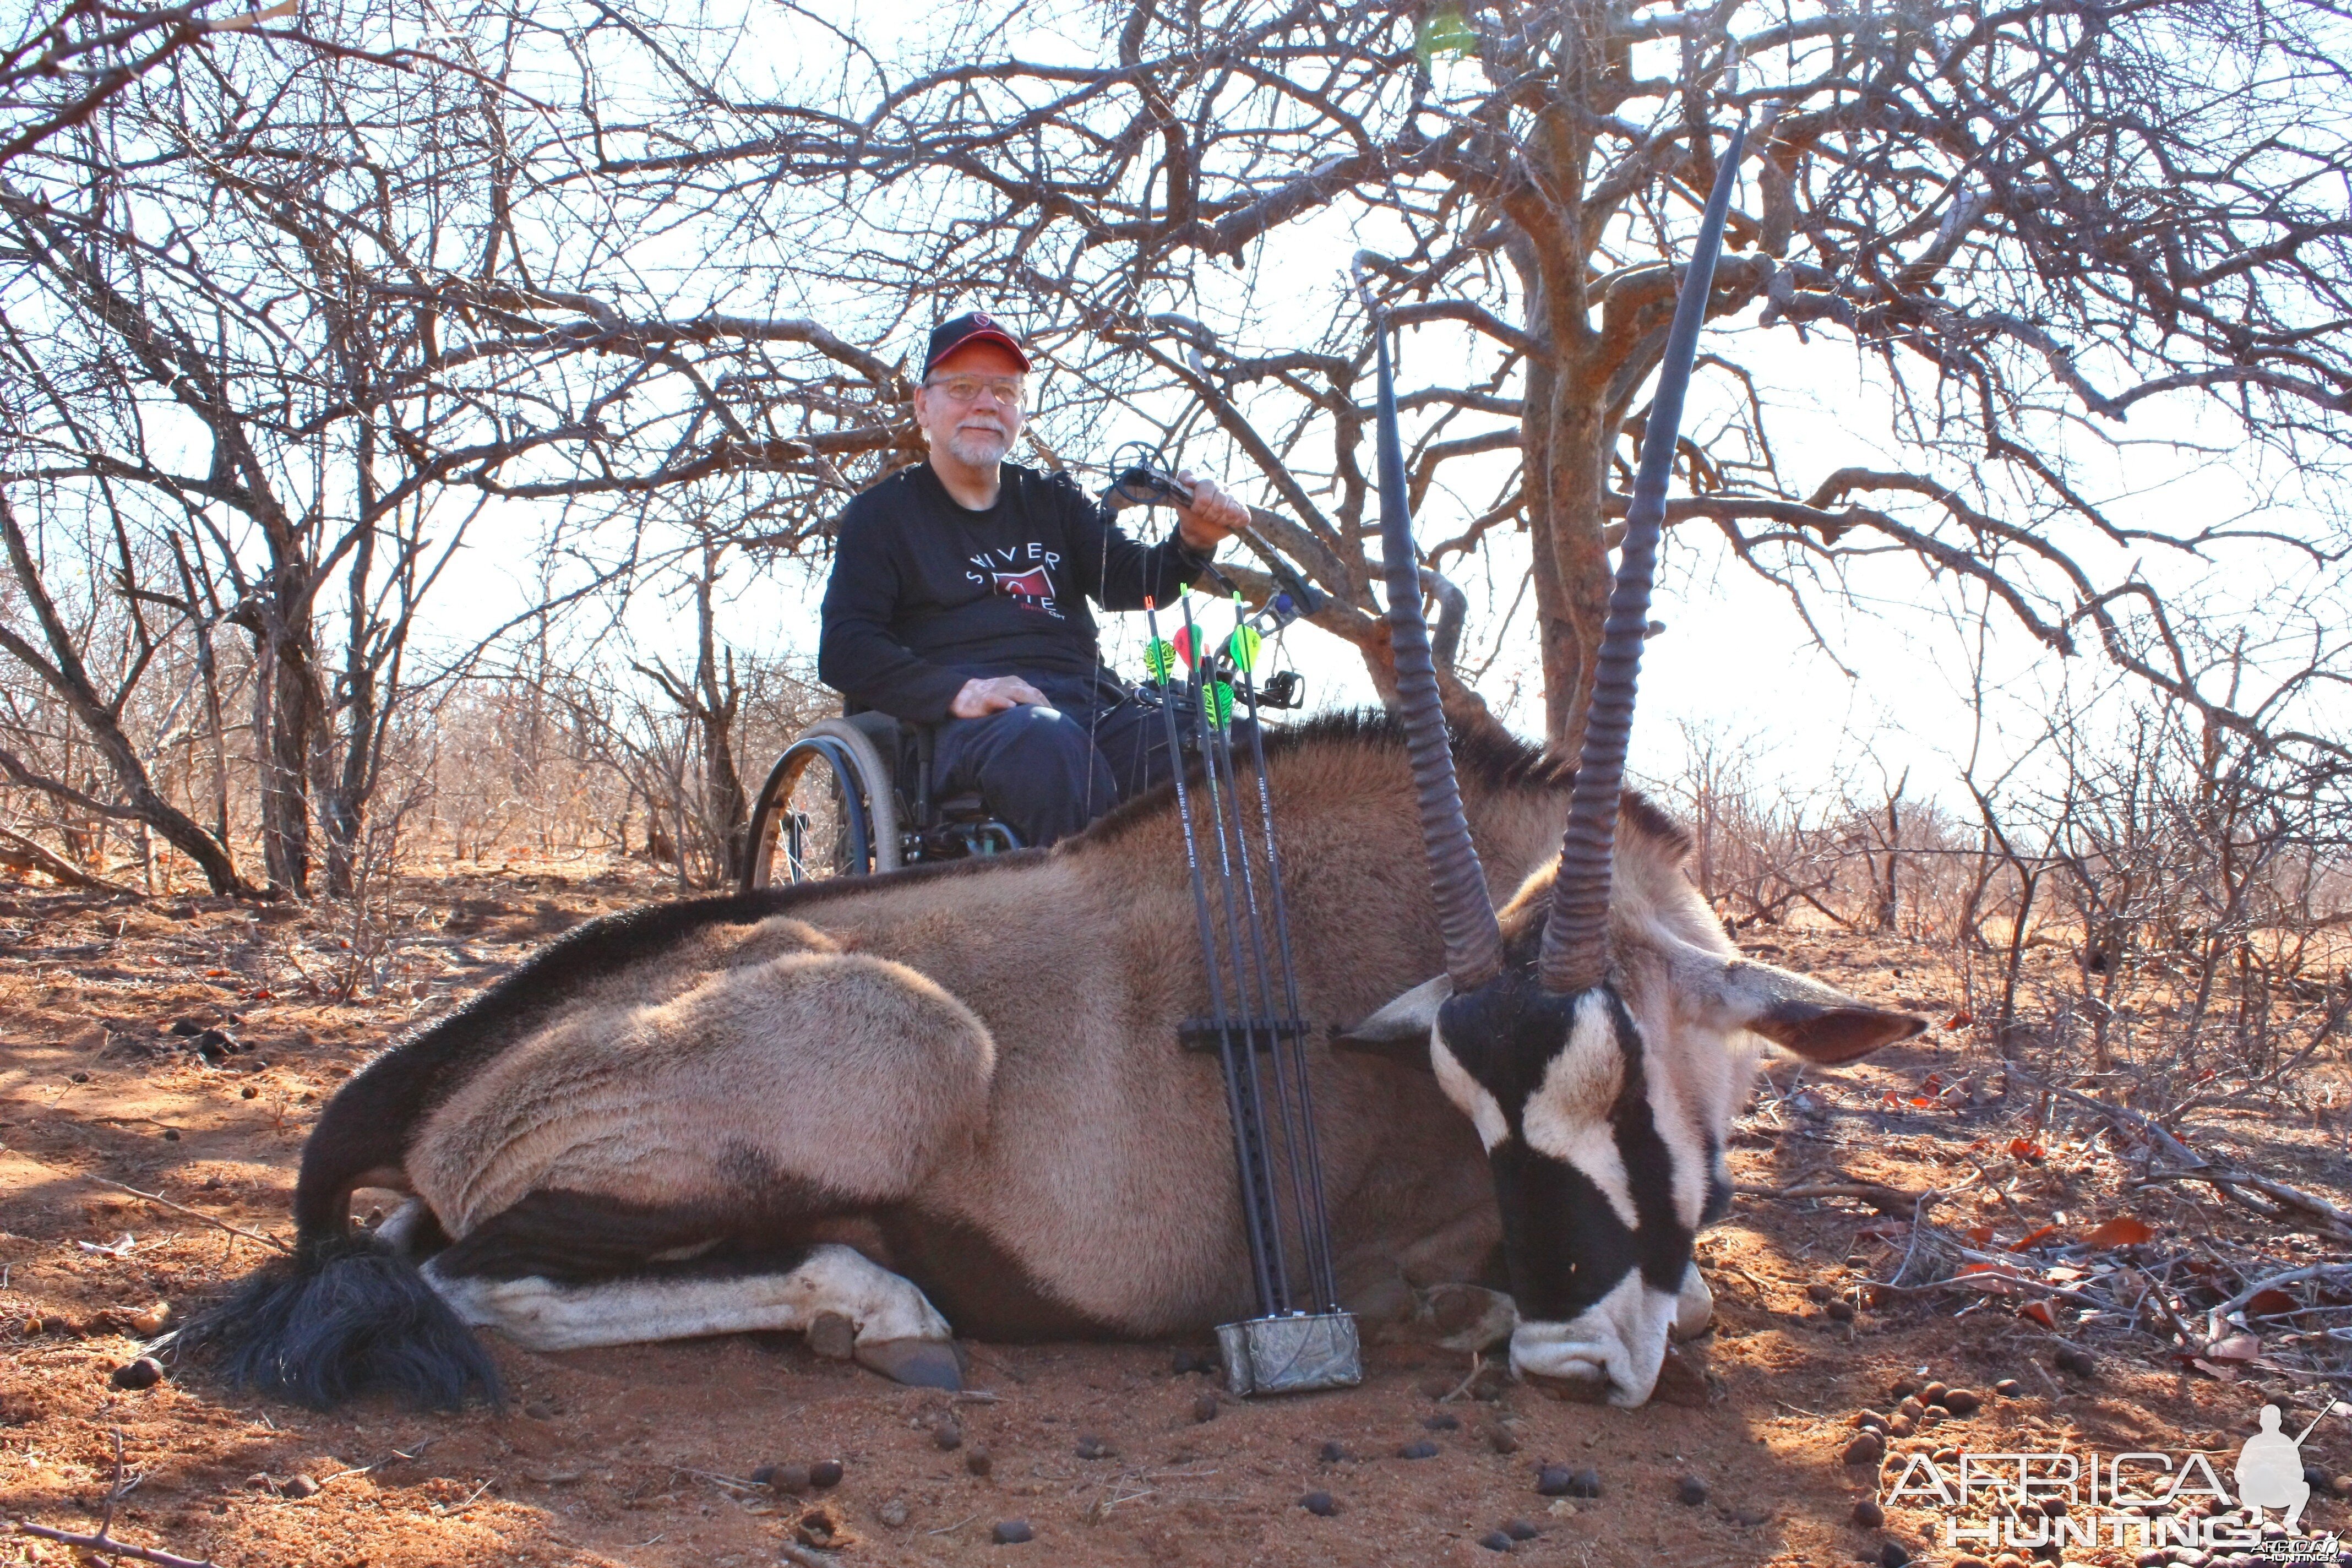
[851,797]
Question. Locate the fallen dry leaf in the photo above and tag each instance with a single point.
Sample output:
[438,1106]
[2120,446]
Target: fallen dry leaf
[2123,1230]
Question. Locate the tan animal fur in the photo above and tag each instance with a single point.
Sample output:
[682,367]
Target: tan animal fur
[994,1055]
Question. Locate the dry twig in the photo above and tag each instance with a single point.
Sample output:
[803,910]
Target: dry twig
[196,1213]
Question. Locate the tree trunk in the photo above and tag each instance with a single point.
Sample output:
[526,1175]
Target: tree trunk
[722,784]
[1567,455]
[286,702]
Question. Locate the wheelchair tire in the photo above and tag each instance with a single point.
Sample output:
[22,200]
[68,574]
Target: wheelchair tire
[830,808]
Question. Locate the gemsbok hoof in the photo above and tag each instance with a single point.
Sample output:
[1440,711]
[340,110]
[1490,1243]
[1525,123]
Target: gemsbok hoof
[921,1363]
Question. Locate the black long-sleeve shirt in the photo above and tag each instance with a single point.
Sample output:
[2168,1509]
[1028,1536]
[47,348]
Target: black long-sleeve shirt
[925,594]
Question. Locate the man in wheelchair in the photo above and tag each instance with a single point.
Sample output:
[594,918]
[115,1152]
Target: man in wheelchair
[959,595]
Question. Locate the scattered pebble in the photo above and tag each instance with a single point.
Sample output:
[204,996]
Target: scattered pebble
[1186,1361]
[826,1473]
[2079,1361]
[1871,1420]
[1901,1427]
[783,1477]
[1012,1532]
[1205,1407]
[1520,1529]
[301,1485]
[1963,1401]
[1840,1311]
[171,1135]
[1893,1555]
[149,1322]
[144,1373]
[1913,1408]
[81,1077]
[2009,1388]
[831,1336]
[1820,1292]
[1690,1491]
[1934,1393]
[1868,1514]
[1904,1387]
[1436,1387]
[34,1327]
[1093,1448]
[1500,1439]
[1319,1504]
[1442,1423]
[1332,1453]
[1495,1541]
[1423,1450]
[977,1462]
[1867,1448]
[948,1435]
[248,1092]
[893,1514]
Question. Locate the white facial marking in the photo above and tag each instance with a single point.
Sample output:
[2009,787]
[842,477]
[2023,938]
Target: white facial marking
[546,1316]
[1468,1095]
[1568,1116]
[1695,1307]
[1621,1337]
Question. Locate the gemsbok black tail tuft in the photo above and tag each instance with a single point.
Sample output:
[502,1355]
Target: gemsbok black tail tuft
[347,1317]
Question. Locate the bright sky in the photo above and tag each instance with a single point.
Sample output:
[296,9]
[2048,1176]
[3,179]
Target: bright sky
[1890,691]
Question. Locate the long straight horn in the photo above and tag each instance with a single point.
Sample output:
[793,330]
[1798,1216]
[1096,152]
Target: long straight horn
[1576,936]
[1474,942]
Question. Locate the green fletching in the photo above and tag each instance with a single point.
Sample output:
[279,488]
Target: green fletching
[1159,659]
[1244,646]
[1217,702]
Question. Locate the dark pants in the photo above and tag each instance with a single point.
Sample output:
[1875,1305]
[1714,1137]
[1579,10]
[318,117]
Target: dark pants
[1047,771]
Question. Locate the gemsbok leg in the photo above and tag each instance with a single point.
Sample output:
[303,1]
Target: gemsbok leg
[671,1170]
[493,1280]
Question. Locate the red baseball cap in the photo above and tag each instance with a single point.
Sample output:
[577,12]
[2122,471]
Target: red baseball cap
[974,327]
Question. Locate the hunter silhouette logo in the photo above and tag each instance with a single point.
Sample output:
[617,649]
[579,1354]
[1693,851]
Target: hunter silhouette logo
[2270,1469]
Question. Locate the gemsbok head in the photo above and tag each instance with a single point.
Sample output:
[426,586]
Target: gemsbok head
[1600,1035]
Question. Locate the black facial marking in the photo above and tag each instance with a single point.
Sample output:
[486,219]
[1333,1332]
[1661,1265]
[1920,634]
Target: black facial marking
[1718,1185]
[1567,1247]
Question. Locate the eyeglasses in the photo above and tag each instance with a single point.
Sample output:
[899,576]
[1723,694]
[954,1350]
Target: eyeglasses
[1005,391]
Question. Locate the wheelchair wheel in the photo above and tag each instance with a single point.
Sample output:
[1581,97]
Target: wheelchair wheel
[828,809]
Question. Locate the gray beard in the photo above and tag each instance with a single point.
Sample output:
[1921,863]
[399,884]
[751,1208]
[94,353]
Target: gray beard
[979,451]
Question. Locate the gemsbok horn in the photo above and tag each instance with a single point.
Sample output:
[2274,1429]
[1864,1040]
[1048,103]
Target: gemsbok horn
[1601,1062]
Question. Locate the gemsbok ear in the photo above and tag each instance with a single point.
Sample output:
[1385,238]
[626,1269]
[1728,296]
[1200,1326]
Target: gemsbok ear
[1399,1030]
[1813,1020]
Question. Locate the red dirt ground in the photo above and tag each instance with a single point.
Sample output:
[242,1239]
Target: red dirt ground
[642,1456]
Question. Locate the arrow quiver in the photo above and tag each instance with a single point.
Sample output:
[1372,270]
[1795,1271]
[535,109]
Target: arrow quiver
[1300,1340]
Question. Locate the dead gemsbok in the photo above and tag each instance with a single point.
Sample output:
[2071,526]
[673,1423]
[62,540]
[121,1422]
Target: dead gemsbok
[952,1100]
